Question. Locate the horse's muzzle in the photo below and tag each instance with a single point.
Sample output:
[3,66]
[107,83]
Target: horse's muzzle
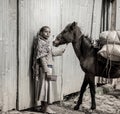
[55,44]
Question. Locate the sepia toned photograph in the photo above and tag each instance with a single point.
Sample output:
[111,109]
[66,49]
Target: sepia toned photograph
[60,57]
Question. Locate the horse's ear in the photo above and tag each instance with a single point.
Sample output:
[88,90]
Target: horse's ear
[73,25]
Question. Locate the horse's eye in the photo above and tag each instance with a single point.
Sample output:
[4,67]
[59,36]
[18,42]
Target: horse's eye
[64,31]
[58,38]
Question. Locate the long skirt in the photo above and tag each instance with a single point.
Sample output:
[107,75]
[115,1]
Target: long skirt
[43,89]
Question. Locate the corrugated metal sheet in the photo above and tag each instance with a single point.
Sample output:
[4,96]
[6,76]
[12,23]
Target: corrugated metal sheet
[33,14]
[81,12]
[8,59]
[24,91]
[96,19]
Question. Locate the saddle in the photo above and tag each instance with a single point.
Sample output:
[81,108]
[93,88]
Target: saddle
[107,68]
[105,61]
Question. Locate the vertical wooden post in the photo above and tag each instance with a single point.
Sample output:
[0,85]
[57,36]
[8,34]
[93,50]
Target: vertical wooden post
[17,90]
[113,15]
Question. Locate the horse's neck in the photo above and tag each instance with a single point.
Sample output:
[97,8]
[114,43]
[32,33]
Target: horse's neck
[79,45]
[76,47]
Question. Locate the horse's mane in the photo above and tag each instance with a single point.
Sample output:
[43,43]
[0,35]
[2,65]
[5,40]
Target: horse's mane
[89,39]
[86,45]
[85,36]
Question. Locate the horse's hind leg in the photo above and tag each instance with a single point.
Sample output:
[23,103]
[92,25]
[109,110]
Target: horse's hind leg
[83,88]
[92,91]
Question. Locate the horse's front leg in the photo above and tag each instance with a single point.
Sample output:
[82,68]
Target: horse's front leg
[92,91]
[83,88]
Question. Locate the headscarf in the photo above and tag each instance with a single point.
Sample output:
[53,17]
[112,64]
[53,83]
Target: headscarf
[42,47]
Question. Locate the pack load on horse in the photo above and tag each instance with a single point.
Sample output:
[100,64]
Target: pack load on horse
[110,43]
[89,60]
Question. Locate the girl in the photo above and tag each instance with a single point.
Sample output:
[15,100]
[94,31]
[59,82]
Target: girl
[42,69]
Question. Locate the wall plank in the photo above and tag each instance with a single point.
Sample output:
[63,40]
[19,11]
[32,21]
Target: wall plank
[81,12]
[96,19]
[33,15]
[118,15]
[8,62]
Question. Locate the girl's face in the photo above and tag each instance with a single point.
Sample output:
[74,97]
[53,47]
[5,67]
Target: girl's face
[46,33]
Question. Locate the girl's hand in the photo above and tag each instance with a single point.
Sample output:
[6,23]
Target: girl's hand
[47,76]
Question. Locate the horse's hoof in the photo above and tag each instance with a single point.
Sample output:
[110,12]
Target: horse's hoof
[93,108]
[76,107]
[91,111]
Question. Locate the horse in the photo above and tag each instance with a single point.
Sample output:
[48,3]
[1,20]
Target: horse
[90,62]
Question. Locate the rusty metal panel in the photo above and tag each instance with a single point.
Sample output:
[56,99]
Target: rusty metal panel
[33,14]
[8,59]
[81,12]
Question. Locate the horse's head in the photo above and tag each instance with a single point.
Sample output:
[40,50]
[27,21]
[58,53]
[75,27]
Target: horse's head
[67,35]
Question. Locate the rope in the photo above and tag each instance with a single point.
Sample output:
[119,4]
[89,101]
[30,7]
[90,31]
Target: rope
[107,67]
[109,57]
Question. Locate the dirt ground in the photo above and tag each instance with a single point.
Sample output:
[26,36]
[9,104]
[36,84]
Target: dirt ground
[107,101]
